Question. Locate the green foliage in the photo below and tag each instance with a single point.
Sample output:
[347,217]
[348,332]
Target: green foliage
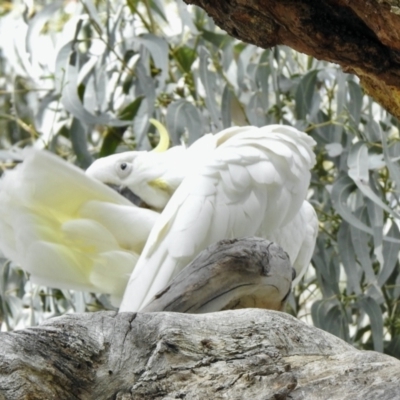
[84,81]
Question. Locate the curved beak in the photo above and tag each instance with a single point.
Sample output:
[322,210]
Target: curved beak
[128,194]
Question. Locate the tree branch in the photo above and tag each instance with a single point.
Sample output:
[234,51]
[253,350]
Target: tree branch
[231,274]
[363,36]
[232,354]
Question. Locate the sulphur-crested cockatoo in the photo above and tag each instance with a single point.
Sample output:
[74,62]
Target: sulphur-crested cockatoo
[68,230]
[243,181]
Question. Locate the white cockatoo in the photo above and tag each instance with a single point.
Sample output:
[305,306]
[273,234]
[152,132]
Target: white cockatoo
[243,181]
[71,231]
[67,230]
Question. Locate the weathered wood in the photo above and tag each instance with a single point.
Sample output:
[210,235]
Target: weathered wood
[241,354]
[231,274]
[363,36]
[237,354]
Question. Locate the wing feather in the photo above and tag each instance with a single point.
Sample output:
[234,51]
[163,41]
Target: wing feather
[255,181]
[298,238]
[68,230]
[240,176]
[129,225]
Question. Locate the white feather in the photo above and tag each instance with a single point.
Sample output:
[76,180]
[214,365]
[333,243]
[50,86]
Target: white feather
[298,238]
[233,194]
[68,230]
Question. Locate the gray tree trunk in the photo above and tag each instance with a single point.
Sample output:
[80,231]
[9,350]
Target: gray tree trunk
[241,354]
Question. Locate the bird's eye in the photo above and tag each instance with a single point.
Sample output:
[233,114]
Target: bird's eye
[123,169]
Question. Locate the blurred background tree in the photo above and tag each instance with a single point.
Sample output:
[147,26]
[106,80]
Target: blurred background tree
[82,79]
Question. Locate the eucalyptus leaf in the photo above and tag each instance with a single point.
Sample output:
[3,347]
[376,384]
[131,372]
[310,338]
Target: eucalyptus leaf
[93,14]
[185,57]
[231,109]
[112,138]
[186,17]
[181,117]
[255,110]
[341,191]
[360,241]
[355,101]
[62,61]
[376,161]
[129,112]
[46,114]
[72,103]
[373,131]
[262,79]
[217,39]
[35,26]
[369,305]
[305,94]
[320,311]
[79,143]
[327,280]
[334,149]
[158,49]
[348,258]
[358,171]
[336,322]
[390,255]
[208,82]
[393,166]
[393,347]
[323,128]
[226,102]
[341,92]
[375,217]
[158,7]
[145,88]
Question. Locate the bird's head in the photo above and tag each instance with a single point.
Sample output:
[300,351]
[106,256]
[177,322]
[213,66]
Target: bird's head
[139,171]
[150,175]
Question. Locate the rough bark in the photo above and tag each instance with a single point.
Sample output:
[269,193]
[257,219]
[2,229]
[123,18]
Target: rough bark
[363,36]
[237,354]
[241,354]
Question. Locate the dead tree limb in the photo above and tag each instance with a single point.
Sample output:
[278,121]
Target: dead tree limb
[232,274]
[241,354]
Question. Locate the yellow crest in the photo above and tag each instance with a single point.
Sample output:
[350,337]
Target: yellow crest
[163,144]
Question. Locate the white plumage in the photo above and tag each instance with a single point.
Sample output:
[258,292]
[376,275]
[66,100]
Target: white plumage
[250,181]
[67,230]
[70,231]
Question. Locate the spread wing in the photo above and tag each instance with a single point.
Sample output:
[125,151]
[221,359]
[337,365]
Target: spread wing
[68,230]
[254,182]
